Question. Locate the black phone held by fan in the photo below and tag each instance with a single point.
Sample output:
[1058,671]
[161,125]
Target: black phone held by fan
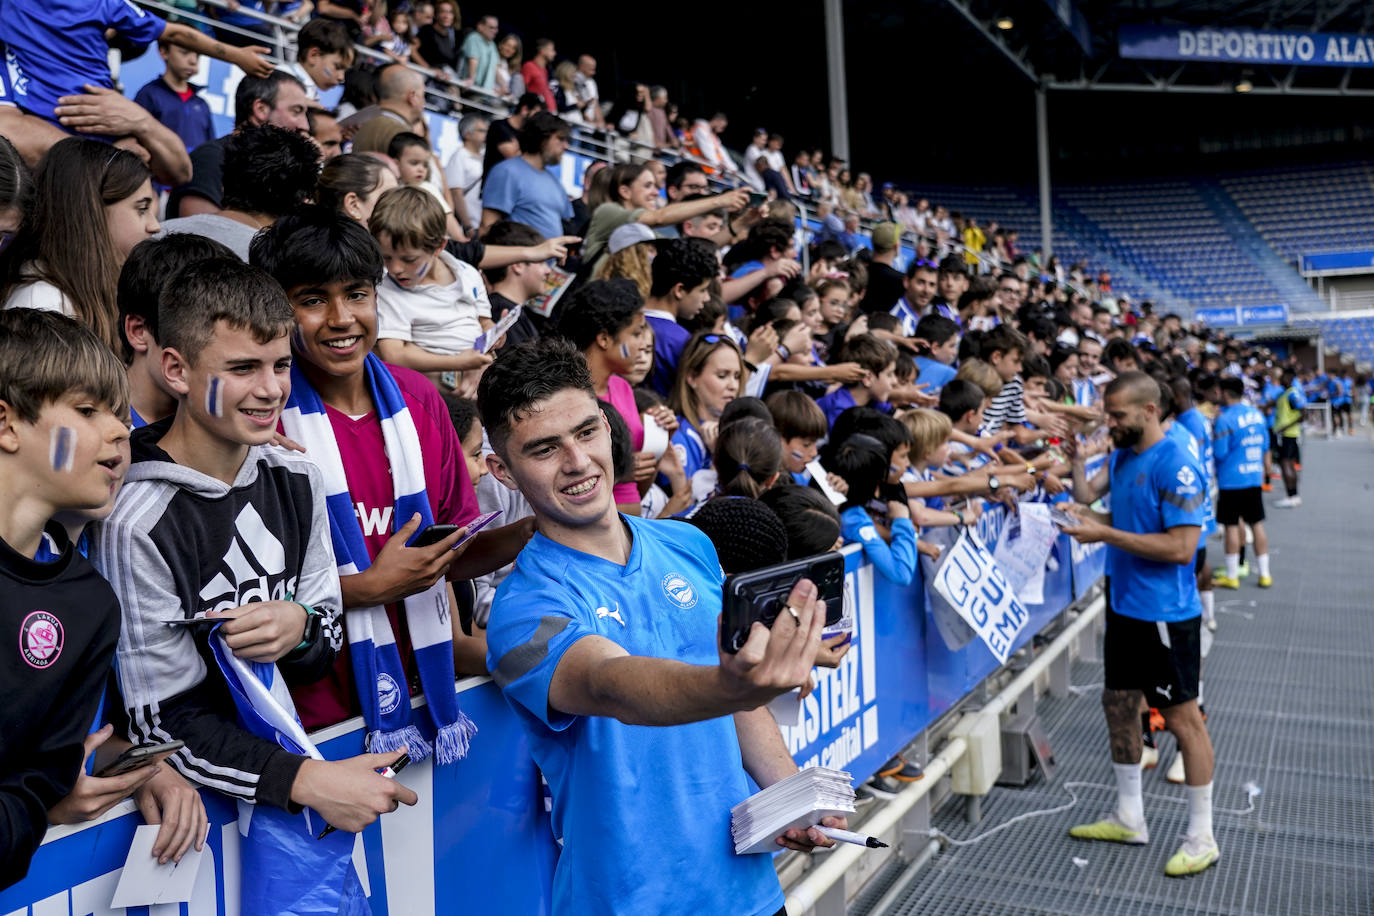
[136,758]
[436,533]
[762,594]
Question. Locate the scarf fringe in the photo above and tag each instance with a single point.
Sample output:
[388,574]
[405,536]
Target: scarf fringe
[451,744]
[409,737]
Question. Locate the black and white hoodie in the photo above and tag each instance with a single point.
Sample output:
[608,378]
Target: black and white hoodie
[180,544]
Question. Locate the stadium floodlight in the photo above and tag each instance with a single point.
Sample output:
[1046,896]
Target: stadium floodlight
[1005,23]
[1244,85]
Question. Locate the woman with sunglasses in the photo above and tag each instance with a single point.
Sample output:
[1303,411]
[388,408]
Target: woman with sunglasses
[710,375]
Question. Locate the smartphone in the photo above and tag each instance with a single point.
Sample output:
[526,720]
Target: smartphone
[436,533]
[433,535]
[756,199]
[1063,519]
[762,594]
[135,758]
[195,621]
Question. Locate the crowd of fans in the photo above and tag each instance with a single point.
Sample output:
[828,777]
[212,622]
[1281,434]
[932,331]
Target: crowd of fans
[296,333]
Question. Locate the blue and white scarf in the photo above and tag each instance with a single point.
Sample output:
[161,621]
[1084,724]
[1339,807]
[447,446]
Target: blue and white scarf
[282,861]
[377,669]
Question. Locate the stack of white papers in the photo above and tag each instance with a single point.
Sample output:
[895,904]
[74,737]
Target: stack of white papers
[799,801]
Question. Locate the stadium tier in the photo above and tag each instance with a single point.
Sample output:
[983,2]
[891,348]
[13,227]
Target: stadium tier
[1192,242]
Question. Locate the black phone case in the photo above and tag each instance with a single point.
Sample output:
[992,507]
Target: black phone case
[434,534]
[762,594]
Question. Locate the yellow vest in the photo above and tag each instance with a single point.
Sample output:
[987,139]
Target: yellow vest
[1287,419]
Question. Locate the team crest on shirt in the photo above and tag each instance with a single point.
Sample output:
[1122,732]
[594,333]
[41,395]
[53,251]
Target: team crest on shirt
[388,693]
[40,639]
[1186,476]
[679,591]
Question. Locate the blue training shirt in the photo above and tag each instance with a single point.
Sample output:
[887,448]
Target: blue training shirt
[1158,489]
[1268,395]
[58,46]
[1239,439]
[691,449]
[933,374]
[644,812]
[896,561]
[1201,429]
[1193,446]
[527,195]
[670,338]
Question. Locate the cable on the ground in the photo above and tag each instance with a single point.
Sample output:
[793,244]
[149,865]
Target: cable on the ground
[1250,788]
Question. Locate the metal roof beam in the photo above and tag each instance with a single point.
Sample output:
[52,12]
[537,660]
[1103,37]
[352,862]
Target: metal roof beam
[989,31]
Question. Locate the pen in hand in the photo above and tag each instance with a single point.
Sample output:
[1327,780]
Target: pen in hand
[847,836]
[397,765]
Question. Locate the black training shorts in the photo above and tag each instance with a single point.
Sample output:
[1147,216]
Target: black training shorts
[1164,660]
[1234,505]
[1288,449]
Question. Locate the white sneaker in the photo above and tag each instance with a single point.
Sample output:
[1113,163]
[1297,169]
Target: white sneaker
[1149,757]
[1288,502]
[1175,774]
[1210,623]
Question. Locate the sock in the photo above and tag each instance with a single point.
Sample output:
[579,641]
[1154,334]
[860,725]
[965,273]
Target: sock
[1263,560]
[1208,604]
[1199,811]
[1233,566]
[1242,545]
[1146,734]
[1130,804]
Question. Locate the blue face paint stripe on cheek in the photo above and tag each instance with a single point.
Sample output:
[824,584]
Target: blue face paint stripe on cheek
[214,397]
[62,448]
[422,270]
[625,351]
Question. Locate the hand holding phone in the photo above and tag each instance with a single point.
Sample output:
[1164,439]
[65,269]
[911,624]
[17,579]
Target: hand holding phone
[775,659]
[436,533]
[136,758]
[762,595]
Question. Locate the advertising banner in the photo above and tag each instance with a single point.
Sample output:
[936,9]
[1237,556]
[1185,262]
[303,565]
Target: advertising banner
[1246,46]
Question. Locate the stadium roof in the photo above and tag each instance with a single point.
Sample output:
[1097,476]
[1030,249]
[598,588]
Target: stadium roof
[1073,44]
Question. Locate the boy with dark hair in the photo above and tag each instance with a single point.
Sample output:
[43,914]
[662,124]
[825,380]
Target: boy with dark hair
[879,362]
[392,464]
[1003,348]
[800,425]
[863,462]
[268,172]
[587,654]
[203,486]
[518,283]
[682,273]
[174,100]
[63,410]
[140,283]
[431,307]
[938,337]
[323,53]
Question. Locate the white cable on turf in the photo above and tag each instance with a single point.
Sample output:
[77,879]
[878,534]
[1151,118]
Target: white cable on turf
[1251,790]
